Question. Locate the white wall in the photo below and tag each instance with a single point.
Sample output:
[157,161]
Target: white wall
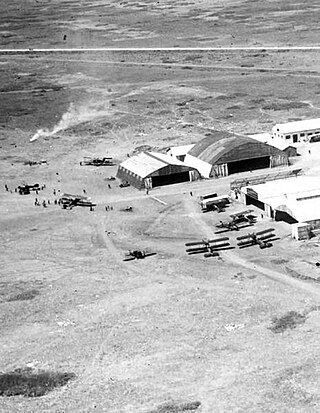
[204,168]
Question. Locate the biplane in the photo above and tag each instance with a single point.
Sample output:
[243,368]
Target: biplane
[239,220]
[217,203]
[25,189]
[244,216]
[261,238]
[137,254]
[68,201]
[128,208]
[210,247]
[106,161]
[227,226]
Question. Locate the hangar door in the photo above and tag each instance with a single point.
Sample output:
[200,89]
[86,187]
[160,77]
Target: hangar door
[248,165]
[170,179]
[252,199]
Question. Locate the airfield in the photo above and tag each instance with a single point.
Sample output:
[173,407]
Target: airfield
[171,332]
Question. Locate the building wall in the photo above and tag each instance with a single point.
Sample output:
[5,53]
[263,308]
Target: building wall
[204,168]
[219,170]
[278,160]
[314,224]
[297,136]
[127,176]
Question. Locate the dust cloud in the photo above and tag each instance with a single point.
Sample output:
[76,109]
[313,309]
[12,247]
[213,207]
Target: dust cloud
[74,116]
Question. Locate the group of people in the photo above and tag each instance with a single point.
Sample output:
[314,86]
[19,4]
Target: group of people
[45,203]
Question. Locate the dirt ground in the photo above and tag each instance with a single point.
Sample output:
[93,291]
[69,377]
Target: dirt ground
[173,328]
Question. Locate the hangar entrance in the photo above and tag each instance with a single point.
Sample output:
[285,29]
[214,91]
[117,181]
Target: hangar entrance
[170,179]
[248,165]
[284,216]
[255,202]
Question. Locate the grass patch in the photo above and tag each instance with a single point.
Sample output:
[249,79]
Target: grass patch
[26,382]
[26,295]
[190,407]
[289,321]
[285,106]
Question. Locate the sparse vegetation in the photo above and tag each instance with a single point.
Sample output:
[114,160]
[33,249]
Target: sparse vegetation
[190,407]
[26,295]
[289,321]
[29,383]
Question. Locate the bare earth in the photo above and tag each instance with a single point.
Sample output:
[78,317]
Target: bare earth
[171,328]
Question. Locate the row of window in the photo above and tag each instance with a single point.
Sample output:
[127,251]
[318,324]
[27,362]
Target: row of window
[295,135]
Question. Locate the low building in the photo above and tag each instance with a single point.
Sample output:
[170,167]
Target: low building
[299,131]
[223,153]
[151,169]
[293,200]
[278,143]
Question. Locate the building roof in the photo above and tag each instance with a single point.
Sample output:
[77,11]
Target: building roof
[146,163]
[223,147]
[180,150]
[299,196]
[270,140]
[298,126]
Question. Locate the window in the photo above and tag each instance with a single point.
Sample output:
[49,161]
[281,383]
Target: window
[288,136]
[302,134]
[310,133]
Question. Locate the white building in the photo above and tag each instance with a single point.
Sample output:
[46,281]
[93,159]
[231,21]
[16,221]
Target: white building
[180,152]
[292,200]
[300,131]
[279,143]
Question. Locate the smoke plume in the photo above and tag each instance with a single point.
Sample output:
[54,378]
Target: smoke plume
[74,116]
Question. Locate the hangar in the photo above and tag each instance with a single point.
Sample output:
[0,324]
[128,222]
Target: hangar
[291,200]
[151,169]
[223,153]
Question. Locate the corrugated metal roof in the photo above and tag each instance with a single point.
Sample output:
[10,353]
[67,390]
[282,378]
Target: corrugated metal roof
[298,126]
[224,147]
[146,163]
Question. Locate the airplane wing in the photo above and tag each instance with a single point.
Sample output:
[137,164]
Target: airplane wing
[219,239]
[244,237]
[265,231]
[149,254]
[189,244]
[267,237]
[245,212]
[196,250]
[245,244]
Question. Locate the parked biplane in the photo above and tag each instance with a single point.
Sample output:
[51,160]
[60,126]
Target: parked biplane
[68,201]
[25,189]
[244,216]
[137,254]
[106,161]
[261,238]
[227,226]
[217,203]
[128,208]
[210,247]
[239,220]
